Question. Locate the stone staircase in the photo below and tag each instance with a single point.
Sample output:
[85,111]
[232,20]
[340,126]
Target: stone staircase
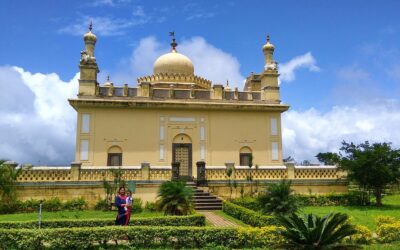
[204,200]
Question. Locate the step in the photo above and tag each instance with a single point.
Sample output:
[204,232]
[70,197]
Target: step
[199,204]
[204,197]
[208,201]
[209,208]
[201,194]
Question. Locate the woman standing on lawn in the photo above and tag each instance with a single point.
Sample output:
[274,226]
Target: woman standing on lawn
[120,203]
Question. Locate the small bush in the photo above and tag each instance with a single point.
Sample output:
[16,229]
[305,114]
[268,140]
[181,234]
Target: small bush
[247,216]
[363,236]
[102,205]
[137,206]
[150,206]
[388,232]
[383,219]
[52,205]
[278,199]
[247,202]
[77,204]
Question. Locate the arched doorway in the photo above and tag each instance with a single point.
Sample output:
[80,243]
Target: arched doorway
[182,153]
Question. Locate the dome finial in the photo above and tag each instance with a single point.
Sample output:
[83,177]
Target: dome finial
[268,38]
[108,78]
[173,43]
[90,25]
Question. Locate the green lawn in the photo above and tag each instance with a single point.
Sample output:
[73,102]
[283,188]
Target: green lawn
[363,215]
[71,215]
[392,246]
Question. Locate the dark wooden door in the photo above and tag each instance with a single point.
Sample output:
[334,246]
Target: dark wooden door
[182,153]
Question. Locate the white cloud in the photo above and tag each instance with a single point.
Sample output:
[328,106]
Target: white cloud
[37,122]
[307,133]
[209,62]
[287,70]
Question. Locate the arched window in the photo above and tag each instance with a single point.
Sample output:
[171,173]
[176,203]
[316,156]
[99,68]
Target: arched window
[114,156]
[244,156]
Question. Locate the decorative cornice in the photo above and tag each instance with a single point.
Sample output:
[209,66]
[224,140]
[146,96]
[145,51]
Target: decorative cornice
[176,78]
[141,103]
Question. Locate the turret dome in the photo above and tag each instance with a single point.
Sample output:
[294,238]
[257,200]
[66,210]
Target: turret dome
[89,36]
[268,45]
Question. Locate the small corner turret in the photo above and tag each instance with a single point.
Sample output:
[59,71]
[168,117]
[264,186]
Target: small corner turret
[267,81]
[88,66]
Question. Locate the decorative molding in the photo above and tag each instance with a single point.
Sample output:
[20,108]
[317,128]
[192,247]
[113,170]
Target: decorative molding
[182,119]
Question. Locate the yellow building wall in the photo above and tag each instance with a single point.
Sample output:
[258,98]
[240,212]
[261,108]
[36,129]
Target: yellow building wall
[137,132]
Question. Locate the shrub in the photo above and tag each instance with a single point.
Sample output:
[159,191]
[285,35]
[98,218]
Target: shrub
[137,206]
[102,205]
[150,206]
[388,232]
[383,219]
[190,220]
[278,199]
[247,202]
[362,236]
[247,216]
[54,204]
[75,204]
[138,237]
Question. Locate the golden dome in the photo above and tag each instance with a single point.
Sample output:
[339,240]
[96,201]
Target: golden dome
[173,63]
[268,45]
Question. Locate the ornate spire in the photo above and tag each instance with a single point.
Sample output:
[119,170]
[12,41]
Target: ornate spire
[268,38]
[173,43]
[90,26]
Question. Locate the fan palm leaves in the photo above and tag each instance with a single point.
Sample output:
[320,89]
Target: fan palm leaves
[317,233]
[174,198]
[8,178]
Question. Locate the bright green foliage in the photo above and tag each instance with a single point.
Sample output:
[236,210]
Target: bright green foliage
[314,232]
[247,216]
[372,166]
[247,202]
[189,220]
[8,179]
[174,198]
[278,199]
[140,237]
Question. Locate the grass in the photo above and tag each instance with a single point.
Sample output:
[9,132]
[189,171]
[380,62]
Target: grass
[89,214]
[363,215]
[230,218]
[392,246]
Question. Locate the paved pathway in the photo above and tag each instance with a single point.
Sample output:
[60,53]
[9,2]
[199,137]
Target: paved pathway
[217,220]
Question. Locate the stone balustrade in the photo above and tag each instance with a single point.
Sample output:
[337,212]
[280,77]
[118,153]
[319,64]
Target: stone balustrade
[214,173]
[217,93]
[145,172]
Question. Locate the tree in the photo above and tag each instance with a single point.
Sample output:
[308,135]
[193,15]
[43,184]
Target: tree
[278,199]
[174,198]
[372,166]
[229,172]
[328,158]
[315,233]
[8,179]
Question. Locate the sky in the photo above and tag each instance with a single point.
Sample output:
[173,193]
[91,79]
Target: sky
[339,63]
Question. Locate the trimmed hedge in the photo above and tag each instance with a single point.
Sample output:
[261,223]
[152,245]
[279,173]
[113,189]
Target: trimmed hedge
[139,237]
[189,220]
[353,198]
[247,216]
[247,202]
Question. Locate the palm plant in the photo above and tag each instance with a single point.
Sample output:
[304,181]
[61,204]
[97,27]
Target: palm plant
[8,180]
[174,198]
[278,199]
[317,233]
